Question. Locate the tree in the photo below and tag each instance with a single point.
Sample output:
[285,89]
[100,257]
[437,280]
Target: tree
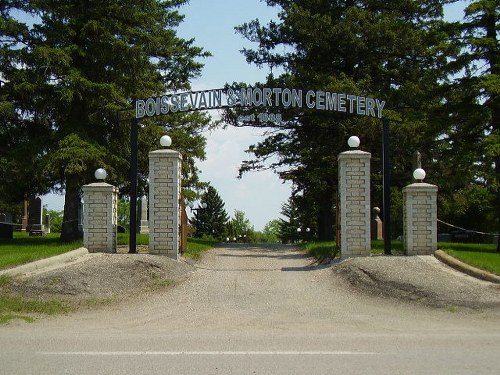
[394,52]
[288,227]
[210,218]
[71,77]
[239,227]
[271,231]
[480,60]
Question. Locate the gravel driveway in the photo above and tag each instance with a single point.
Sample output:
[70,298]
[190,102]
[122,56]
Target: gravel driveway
[415,280]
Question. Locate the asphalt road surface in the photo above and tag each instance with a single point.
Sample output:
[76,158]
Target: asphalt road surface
[256,310]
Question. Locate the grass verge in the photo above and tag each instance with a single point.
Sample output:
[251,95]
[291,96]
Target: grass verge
[197,246]
[19,307]
[483,256]
[321,250]
[24,248]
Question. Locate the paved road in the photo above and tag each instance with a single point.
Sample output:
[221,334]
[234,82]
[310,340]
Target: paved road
[256,310]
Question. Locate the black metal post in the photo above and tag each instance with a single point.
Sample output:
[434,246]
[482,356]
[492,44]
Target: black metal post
[386,182]
[134,123]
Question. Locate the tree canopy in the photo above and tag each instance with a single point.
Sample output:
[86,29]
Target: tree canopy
[71,71]
[439,80]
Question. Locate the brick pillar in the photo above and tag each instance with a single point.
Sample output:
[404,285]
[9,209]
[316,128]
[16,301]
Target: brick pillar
[100,217]
[420,219]
[355,215]
[164,198]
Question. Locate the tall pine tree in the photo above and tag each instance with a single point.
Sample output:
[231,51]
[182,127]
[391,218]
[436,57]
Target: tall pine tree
[74,73]
[210,218]
[392,51]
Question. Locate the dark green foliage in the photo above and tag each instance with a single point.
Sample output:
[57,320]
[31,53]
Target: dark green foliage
[240,229]
[210,220]
[71,74]
[393,52]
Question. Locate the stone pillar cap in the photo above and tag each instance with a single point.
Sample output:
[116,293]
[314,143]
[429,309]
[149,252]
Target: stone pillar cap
[354,154]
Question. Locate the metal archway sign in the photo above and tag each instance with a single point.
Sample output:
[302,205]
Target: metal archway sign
[259,97]
[266,97]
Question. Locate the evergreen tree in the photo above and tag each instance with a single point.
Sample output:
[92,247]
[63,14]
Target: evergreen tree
[480,61]
[239,227]
[211,217]
[70,80]
[288,227]
[389,51]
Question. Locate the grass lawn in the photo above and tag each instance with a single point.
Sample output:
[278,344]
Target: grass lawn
[482,256]
[25,248]
[197,246]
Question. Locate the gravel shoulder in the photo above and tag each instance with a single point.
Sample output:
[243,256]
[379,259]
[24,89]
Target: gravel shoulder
[421,280]
[102,277]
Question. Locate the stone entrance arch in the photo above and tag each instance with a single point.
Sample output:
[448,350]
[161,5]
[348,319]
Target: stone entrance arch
[247,97]
[165,177]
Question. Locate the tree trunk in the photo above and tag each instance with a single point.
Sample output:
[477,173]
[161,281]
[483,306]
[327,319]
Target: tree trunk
[326,218]
[70,232]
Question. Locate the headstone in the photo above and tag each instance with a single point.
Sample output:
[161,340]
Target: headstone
[9,218]
[376,225]
[417,160]
[6,231]
[143,215]
[24,218]
[35,223]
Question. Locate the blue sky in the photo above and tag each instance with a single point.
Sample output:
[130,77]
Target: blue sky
[259,194]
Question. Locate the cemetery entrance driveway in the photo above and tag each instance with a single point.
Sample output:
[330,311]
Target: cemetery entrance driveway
[256,309]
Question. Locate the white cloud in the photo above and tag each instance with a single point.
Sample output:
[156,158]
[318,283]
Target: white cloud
[258,194]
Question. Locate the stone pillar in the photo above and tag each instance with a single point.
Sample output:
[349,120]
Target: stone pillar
[164,198]
[24,218]
[143,214]
[354,188]
[100,217]
[420,219]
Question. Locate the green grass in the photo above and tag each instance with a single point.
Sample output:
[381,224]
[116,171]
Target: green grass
[19,307]
[328,249]
[24,248]
[378,247]
[141,239]
[321,250]
[482,256]
[197,246]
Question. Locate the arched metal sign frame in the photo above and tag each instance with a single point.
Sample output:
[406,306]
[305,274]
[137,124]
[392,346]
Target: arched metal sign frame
[258,97]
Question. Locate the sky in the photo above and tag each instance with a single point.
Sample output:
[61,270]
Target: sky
[259,195]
